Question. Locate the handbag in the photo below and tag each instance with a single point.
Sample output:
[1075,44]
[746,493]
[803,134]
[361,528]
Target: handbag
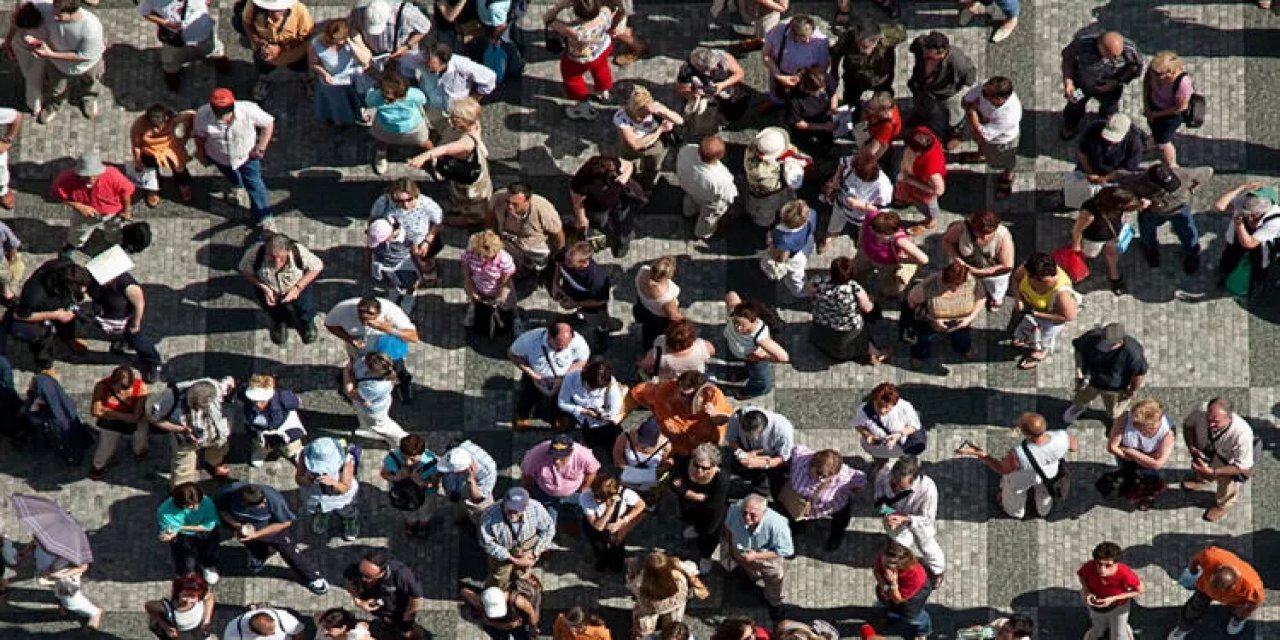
[1060,486]
[797,505]
[406,495]
[174,38]
[1072,262]
[464,172]
[1238,281]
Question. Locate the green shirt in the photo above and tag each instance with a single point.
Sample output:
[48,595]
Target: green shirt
[172,518]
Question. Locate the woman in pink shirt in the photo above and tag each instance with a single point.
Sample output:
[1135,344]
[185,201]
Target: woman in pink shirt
[487,270]
[887,260]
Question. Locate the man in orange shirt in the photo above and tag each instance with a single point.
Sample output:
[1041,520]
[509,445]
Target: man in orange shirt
[1225,578]
[690,409]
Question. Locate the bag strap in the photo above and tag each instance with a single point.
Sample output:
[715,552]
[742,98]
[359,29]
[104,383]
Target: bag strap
[550,363]
[895,498]
[395,32]
[1035,464]
[782,48]
[874,416]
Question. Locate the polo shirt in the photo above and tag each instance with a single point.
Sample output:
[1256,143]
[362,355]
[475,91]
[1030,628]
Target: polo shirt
[107,196]
[274,511]
[345,316]
[772,533]
[1110,370]
[229,143]
[533,348]
[1107,157]
[556,480]
[397,589]
[1247,590]
[777,439]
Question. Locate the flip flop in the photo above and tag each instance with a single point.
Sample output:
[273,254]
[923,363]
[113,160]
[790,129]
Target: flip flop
[1027,363]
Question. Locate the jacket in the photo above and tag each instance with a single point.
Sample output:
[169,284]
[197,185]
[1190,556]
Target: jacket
[955,73]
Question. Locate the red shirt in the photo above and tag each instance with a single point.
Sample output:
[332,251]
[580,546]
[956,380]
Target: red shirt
[930,162]
[884,131]
[107,197]
[1123,580]
[910,582]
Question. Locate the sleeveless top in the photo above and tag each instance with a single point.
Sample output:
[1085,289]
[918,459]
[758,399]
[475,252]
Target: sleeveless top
[742,345]
[1037,301]
[878,251]
[693,359]
[124,403]
[654,305]
[1134,439]
[949,305]
[985,255]
[186,620]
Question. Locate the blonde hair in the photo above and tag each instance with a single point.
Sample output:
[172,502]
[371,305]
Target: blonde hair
[486,243]
[262,380]
[466,109]
[794,214]
[1166,62]
[663,268]
[639,99]
[1146,412]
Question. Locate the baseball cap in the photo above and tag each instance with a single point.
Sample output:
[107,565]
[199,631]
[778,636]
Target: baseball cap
[1112,334]
[516,499]
[377,15]
[90,164]
[1117,128]
[561,446]
[495,603]
[1164,177]
[379,231]
[456,460]
[259,394]
[648,431]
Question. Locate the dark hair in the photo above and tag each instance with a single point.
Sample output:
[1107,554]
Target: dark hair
[1021,625]
[812,79]
[442,52]
[188,584]
[186,494]
[673,630]
[368,303]
[998,86]
[586,9]
[1040,265]
[935,41]
[402,185]
[602,168]
[393,86]
[898,556]
[251,494]
[1114,199]
[28,17]
[1106,551]
[753,310]
[520,188]
[920,139]
[841,270]
[158,107]
[123,375]
[335,618]
[753,421]
[67,279]
[63,7]
[954,274]
[412,445]
[865,166]
[884,394]
[886,222]
[597,374]
[983,222]
[681,335]
[380,366]
[690,380]
[732,628]
[376,557]
[905,467]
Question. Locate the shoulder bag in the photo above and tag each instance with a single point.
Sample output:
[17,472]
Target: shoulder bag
[797,505]
[913,445]
[464,172]
[1060,486]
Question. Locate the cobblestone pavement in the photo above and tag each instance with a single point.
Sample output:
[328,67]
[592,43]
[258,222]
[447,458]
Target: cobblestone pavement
[207,324]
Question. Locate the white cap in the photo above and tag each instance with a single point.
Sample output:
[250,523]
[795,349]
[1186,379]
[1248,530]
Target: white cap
[376,17]
[1117,128]
[259,394]
[771,142]
[456,460]
[109,264]
[495,603]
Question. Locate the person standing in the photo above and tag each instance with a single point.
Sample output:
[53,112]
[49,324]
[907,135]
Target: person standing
[361,323]
[865,57]
[588,46]
[657,304]
[119,409]
[758,539]
[264,623]
[1046,303]
[888,425]
[98,197]
[557,470]
[711,83]
[279,32]
[907,501]
[336,60]
[1166,95]
[187,614]
[702,489]
[826,485]
[643,125]
[922,177]
[325,472]
[28,27]
[121,306]
[368,381]
[73,56]
[941,75]
[610,512]
[488,272]
[1107,587]
[192,412]
[155,144]
[514,534]
[45,309]
[945,304]
[529,225]
[1223,448]
[763,15]
[234,135]
[544,357]
[1224,577]
[662,586]
[591,400]
[65,578]
[986,247]
[261,520]
[468,475]
[189,524]
[187,33]
[467,155]
[1096,67]
[887,260]
[903,587]
[843,316]
[790,243]
[994,114]
[1031,467]
[421,218]
[709,188]
[762,443]
[1109,363]
[271,419]
[1142,441]
[11,120]
[790,47]
[1251,236]
[386,589]
[282,271]
[1010,9]
[1169,190]
[858,188]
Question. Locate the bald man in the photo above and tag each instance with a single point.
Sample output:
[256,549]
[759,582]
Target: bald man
[709,188]
[1223,577]
[1096,66]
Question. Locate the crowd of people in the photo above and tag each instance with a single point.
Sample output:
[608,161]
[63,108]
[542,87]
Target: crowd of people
[740,478]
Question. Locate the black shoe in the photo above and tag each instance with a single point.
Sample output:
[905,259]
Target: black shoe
[279,333]
[309,333]
[1067,134]
[1191,263]
[406,392]
[151,374]
[621,249]
[1152,256]
[118,347]
[67,251]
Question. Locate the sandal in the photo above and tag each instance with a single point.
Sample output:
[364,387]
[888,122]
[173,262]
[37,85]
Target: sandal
[1029,362]
[1004,188]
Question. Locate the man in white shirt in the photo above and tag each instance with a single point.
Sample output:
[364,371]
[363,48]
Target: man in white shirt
[907,502]
[762,442]
[709,188]
[73,56]
[188,34]
[1029,467]
[544,357]
[360,322]
[994,114]
[264,624]
[1254,228]
[390,29]
[1222,451]
[445,76]
[233,135]
[11,120]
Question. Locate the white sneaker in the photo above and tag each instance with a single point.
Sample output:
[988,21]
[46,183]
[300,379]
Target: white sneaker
[1177,634]
[380,161]
[1072,413]
[210,576]
[1004,31]
[1234,626]
[690,533]
[319,586]
[255,460]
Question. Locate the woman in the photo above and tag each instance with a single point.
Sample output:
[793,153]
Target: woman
[750,342]
[843,315]
[187,614]
[188,523]
[119,406]
[1045,304]
[507,614]
[464,162]
[156,143]
[392,267]
[587,47]
[271,418]
[326,474]
[677,350]
[398,118]
[922,177]
[641,126]
[120,306]
[711,83]
[65,580]
[409,470]
[339,624]
[592,400]
[985,246]
[945,304]
[817,630]
[642,456]
[610,512]
[1142,441]
[657,299]
[579,624]
[1099,227]
[789,244]
[887,425]
[826,486]
[887,259]
[336,59]
[858,188]
[703,491]
[420,217]
[278,31]
[368,381]
[902,586]
[1107,587]
[487,272]
[1166,93]
[601,203]
[662,586]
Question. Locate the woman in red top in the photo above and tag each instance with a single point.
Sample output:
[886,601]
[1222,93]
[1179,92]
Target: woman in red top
[884,125]
[1107,586]
[903,586]
[922,177]
[118,406]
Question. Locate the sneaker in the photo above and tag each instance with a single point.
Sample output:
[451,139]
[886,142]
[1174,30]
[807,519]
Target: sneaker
[279,333]
[1235,626]
[47,114]
[260,90]
[255,458]
[469,318]
[1072,413]
[309,333]
[604,97]
[380,161]
[210,575]
[319,586]
[1004,31]
[1066,133]
[172,82]
[1152,256]
[320,523]
[350,529]
[89,108]
[1178,634]
[689,533]
[9,553]
[1191,263]
[256,565]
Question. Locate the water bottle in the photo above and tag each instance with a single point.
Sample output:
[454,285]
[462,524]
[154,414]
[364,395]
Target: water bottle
[976,633]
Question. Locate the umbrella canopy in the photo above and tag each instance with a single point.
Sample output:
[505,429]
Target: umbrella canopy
[54,529]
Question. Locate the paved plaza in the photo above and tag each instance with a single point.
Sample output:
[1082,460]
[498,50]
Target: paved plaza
[207,323]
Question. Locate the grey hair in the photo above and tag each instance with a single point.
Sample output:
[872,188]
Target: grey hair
[201,395]
[279,242]
[755,499]
[703,59]
[802,24]
[1256,204]
[708,453]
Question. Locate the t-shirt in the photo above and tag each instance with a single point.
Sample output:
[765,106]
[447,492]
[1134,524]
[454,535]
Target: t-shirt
[593,508]
[1124,580]
[345,316]
[556,480]
[527,232]
[1048,455]
[1107,157]
[999,125]
[884,131]
[486,274]
[416,222]
[397,589]
[593,36]
[811,108]
[599,194]
[493,13]
[589,283]
[286,625]
[403,115]
[1167,96]
[83,37]
[798,240]
[274,511]
[931,162]
[107,196]
[35,298]
[1110,370]
[1248,588]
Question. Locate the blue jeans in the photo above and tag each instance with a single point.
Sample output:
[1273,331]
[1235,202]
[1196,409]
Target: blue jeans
[961,340]
[148,355]
[1183,225]
[248,176]
[1009,7]
[296,314]
[759,378]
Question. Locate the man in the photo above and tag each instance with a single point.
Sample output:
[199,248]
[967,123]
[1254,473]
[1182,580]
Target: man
[557,469]
[709,187]
[187,34]
[1030,467]
[1224,577]
[260,519]
[940,77]
[762,442]
[390,29]
[763,15]
[758,539]
[1108,364]
[582,287]
[514,534]
[72,56]
[233,135]
[1223,450]
[529,224]
[11,120]
[1105,150]
[192,412]
[281,271]
[690,410]
[445,76]
[866,57]
[1096,67]
[387,590]
[360,322]
[279,32]
[994,114]
[264,624]
[1255,225]
[47,309]
[788,48]
[544,356]
[1169,189]
[98,197]
[468,475]
[907,501]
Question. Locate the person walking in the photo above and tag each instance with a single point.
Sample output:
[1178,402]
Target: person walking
[907,501]
[121,306]
[187,34]
[588,46]
[1219,576]
[363,323]
[858,188]
[758,540]
[1169,190]
[368,381]
[398,119]
[73,56]
[463,163]
[118,407]
[233,135]
[98,197]
[514,533]
[657,303]
[903,587]
[1034,466]
[994,115]
[326,477]
[1100,228]
[388,590]
[282,271]
[1109,363]
[261,520]
[1107,586]
[189,524]
[187,614]
[1096,66]
[1045,304]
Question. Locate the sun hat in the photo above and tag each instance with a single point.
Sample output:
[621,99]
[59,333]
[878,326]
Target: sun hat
[324,456]
[259,394]
[1117,128]
[376,17]
[90,164]
[456,460]
[273,5]
[495,603]
[771,142]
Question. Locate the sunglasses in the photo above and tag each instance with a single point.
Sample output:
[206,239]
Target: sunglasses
[701,467]
[404,200]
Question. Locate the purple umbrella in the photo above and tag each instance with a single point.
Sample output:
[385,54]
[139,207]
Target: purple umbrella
[54,529]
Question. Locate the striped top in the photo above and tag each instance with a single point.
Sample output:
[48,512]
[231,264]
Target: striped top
[835,492]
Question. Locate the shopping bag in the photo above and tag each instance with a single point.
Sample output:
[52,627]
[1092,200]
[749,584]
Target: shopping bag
[1072,262]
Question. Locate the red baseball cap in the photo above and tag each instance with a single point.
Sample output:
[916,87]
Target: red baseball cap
[222,98]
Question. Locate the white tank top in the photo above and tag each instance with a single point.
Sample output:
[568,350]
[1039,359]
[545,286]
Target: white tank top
[654,305]
[1133,439]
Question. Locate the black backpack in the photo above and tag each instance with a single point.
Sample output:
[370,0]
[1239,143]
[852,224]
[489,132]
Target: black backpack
[135,237]
[1197,108]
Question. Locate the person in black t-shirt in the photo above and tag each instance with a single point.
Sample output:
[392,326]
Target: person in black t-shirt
[1108,364]
[581,286]
[121,304]
[48,307]
[809,113]
[387,590]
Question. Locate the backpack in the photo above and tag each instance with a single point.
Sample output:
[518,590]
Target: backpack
[1197,108]
[407,495]
[261,257]
[135,237]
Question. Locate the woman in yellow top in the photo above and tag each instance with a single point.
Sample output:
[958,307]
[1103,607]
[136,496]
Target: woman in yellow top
[1046,303]
[159,140]
[279,32]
